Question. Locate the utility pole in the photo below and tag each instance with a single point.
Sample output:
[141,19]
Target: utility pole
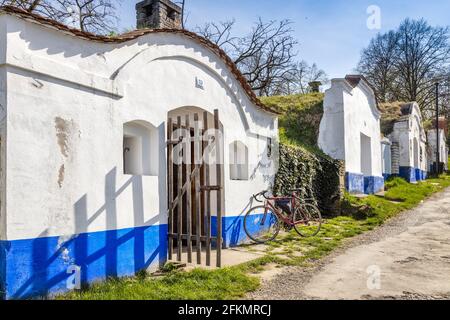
[438,153]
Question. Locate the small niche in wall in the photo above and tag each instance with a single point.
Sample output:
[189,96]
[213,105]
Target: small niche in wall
[140,149]
[366,155]
[238,161]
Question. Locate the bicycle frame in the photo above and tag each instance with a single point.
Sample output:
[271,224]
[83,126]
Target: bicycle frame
[269,203]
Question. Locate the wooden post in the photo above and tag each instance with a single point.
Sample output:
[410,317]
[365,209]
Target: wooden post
[219,192]
[170,184]
[207,205]
[180,202]
[198,153]
[188,190]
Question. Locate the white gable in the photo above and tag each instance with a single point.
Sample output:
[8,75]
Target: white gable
[350,112]
[410,136]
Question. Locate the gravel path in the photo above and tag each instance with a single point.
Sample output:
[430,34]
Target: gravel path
[406,258]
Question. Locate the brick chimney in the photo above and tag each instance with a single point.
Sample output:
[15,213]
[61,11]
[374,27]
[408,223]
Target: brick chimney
[158,14]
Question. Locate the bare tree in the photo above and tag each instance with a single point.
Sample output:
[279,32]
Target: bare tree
[298,78]
[316,74]
[404,64]
[264,56]
[378,64]
[294,80]
[96,16]
[53,9]
[444,97]
[423,54]
[28,5]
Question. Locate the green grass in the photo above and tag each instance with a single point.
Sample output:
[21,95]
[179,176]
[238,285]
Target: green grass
[400,196]
[198,284]
[291,250]
[300,119]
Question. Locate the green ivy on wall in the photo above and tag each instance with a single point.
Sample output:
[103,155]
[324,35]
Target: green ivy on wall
[302,164]
[318,177]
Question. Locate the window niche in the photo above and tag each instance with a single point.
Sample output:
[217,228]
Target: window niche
[140,149]
[238,157]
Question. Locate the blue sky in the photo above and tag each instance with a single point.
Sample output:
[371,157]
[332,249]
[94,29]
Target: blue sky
[331,33]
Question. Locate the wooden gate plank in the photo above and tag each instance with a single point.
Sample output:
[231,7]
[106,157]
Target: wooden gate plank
[197,155]
[207,204]
[188,190]
[219,167]
[170,183]
[180,202]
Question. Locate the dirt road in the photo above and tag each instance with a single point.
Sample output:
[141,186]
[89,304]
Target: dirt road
[407,258]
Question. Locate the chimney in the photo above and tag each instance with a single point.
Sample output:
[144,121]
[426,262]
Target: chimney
[315,86]
[158,14]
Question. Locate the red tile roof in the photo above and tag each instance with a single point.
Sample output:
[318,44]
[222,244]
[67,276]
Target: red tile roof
[138,33]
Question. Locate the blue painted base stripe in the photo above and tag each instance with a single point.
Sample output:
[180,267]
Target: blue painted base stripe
[354,182]
[39,267]
[233,232]
[359,184]
[412,174]
[2,269]
[373,185]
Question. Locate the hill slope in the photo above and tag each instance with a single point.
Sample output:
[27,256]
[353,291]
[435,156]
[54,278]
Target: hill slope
[300,119]
[302,164]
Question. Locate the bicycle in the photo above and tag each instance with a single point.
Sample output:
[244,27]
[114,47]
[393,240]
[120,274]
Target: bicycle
[263,223]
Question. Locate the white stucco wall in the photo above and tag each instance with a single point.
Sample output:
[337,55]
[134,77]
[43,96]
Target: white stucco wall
[386,154]
[407,129]
[3,115]
[332,128]
[68,99]
[2,129]
[431,134]
[348,113]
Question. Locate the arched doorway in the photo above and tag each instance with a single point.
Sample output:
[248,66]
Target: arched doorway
[195,184]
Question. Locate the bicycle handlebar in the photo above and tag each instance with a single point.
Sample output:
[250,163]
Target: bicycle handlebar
[262,193]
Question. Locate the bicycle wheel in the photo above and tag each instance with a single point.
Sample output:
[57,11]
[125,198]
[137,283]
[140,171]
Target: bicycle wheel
[261,227]
[307,219]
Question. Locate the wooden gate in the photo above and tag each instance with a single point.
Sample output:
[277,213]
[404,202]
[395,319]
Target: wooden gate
[190,191]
